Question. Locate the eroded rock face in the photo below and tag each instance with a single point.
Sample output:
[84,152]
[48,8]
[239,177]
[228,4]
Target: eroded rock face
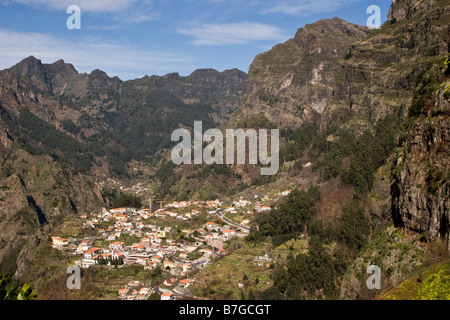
[295,80]
[420,191]
[406,9]
[36,193]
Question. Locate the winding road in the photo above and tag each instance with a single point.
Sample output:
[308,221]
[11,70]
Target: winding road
[244,229]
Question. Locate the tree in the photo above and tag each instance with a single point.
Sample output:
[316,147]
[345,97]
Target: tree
[128,200]
[289,219]
[306,275]
[353,227]
[14,293]
[157,271]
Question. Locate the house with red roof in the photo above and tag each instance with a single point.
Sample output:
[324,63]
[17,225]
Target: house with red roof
[170,282]
[185,283]
[167,296]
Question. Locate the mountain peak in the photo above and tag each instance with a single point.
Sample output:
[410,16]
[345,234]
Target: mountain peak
[329,35]
[30,61]
[172,76]
[31,68]
[203,72]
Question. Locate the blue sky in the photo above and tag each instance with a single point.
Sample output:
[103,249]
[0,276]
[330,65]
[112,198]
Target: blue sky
[131,38]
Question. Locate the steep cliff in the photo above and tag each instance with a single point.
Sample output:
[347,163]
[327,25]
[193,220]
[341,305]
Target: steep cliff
[421,170]
[36,193]
[379,73]
[294,81]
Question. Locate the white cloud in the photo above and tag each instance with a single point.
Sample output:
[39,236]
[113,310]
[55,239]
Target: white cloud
[88,54]
[87,5]
[128,11]
[232,33]
[306,7]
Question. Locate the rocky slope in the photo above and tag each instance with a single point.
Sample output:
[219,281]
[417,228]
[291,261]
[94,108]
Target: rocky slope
[295,80]
[36,193]
[379,73]
[421,176]
[346,78]
[398,72]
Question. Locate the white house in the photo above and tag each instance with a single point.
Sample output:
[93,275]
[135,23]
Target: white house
[167,296]
[59,243]
[86,263]
[185,283]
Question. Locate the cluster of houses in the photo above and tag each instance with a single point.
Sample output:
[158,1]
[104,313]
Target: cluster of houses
[154,248]
[169,290]
[154,244]
[263,261]
[136,189]
[134,290]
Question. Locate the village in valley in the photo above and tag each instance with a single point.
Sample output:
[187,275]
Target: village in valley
[180,238]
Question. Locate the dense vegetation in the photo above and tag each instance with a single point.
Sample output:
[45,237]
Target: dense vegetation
[8,291]
[289,220]
[297,141]
[317,273]
[367,153]
[39,137]
[309,275]
[128,200]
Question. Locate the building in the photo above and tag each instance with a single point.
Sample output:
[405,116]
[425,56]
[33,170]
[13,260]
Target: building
[228,234]
[59,243]
[84,246]
[92,253]
[86,263]
[117,246]
[185,283]
[118,210]
[264,209]
[170,282]
[285,193]
[167,296]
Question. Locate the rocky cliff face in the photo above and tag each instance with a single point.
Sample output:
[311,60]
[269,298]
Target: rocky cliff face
[295,80]
[379,74]
[36,193]
[407,9]
[421,177]
[340,75]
